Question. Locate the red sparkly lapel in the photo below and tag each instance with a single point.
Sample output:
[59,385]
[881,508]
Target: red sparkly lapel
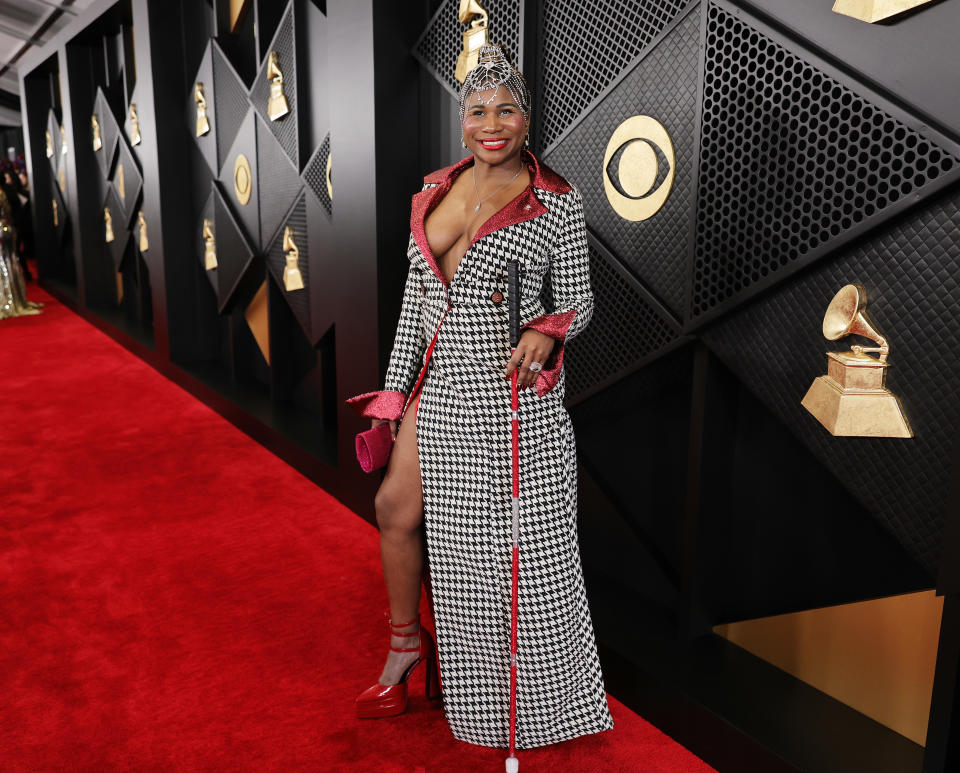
[525,206]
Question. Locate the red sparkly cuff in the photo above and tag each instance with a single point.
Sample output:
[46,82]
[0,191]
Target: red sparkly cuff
[555,326]
[386,404]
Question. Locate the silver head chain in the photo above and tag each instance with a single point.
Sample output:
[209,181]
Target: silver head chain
[492,71]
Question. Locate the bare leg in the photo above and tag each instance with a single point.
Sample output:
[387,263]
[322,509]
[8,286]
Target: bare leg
[399,506]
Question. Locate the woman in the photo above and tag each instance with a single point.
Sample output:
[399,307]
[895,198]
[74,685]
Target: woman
[450,468]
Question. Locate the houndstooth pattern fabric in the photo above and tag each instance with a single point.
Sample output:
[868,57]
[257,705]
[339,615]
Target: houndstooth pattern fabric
[464,443]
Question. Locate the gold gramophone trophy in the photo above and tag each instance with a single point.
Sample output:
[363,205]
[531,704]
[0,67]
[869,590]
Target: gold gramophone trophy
[135,137]
[142,223]
[292,278]
[49,140]
[56,213]
[108,225]
[209,245]
[476,35]
[121,186]
[277,106]
[63,141]
[851,400]
[203,123]
[95,125]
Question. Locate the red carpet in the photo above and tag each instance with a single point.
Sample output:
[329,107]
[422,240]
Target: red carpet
[173,597]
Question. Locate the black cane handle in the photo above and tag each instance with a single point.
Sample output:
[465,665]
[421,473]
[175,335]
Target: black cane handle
[513,301]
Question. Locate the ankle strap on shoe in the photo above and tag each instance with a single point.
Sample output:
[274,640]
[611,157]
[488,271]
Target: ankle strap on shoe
[394,625]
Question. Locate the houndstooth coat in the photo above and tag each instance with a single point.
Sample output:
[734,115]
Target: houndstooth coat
[453,344]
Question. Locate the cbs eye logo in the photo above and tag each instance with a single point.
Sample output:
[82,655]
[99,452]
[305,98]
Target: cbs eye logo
[636,188]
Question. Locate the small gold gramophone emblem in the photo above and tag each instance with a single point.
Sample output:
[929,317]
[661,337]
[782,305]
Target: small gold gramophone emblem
[95,125]
[142,223]
[209,245]
[851,400]
[56,213]
[277,107]
[63,141]
[475,36]
[203,123]
[134,125]
[292,278]
[49,140]
[121,188]
[62,178]
[108,222]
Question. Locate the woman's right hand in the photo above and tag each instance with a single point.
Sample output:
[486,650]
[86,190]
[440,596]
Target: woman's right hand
[392,423]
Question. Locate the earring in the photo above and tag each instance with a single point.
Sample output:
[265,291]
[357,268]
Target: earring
[526,141]
[463,142]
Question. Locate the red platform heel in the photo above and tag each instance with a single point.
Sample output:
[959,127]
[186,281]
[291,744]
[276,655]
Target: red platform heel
[388,700]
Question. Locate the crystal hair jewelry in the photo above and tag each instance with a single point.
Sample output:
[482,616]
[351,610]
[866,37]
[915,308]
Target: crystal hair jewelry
[536,367]
[477,191]
[492,71]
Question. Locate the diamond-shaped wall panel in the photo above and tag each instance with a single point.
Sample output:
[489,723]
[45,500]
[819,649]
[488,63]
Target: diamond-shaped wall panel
[208,141]
[299,300]
[590,45]
[441,42]
[208,214]
[663,85]
[285,128]
[315,175]
[109,134]
[62,214]
[234,253]
[626,327]
[129,192]
[279,184]
[121,234]
[792,161]
[911,272]
[236,182]
[230,101]
[323,269]
[53,129]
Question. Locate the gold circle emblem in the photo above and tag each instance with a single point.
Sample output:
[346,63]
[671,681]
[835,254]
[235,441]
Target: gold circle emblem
[242,179]
[635,196]
[329,177]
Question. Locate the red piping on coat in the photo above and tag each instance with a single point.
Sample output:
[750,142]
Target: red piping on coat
[426,362]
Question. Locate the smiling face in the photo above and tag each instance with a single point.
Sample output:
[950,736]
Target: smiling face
[494,130]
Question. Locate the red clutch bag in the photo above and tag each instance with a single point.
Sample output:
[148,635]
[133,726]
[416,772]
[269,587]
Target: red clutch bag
[374,447]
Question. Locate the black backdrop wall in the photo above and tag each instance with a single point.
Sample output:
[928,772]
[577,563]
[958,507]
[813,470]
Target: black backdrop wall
[810,150]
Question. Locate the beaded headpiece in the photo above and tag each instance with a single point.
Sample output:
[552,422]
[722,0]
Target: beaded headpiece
[492,71]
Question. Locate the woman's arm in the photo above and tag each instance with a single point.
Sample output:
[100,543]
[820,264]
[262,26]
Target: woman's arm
[406,357]
[572,296]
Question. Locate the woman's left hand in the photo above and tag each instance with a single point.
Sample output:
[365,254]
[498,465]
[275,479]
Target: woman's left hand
[534,346]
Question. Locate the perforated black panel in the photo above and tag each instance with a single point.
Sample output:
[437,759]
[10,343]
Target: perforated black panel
[315,175]
[284,129]
[440,44]
[911,271]
[299,300]
[626,328]
[230,99]
[663,86]
[234,253]
[590,44]
[279,184]
[790,160]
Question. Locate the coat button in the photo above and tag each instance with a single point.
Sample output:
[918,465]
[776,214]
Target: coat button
[497,297]
[423,289]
